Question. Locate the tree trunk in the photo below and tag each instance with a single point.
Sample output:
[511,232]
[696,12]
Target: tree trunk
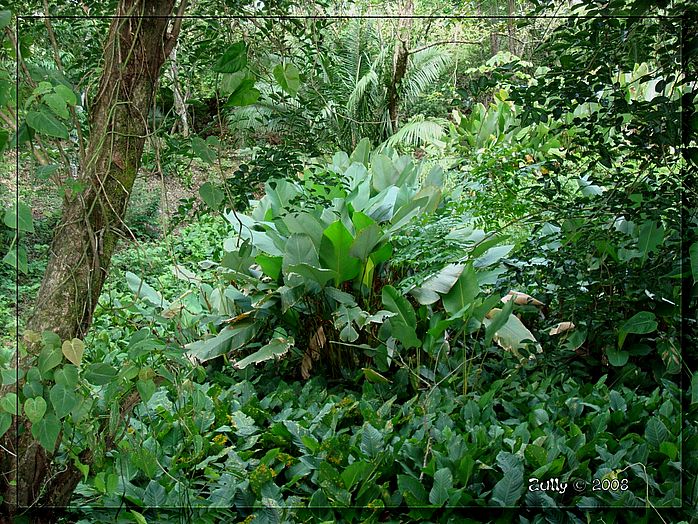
[511,28]
[180,104]
[399,63]
[92,221]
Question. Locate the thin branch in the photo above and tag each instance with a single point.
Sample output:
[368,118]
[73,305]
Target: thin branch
[510,36]
[444,42]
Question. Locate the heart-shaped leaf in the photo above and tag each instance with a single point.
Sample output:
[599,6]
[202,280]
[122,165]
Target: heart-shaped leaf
[35,408]
[45,123]
[9,403]
[73,350]
[46,431]
[288,78]
[63,399]
[233,60]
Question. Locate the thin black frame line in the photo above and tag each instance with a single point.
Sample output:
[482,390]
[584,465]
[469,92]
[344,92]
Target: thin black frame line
[241,17]
[17,240]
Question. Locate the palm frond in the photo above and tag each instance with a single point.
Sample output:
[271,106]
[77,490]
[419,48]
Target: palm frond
[419,131]
[370,79]
[426,68]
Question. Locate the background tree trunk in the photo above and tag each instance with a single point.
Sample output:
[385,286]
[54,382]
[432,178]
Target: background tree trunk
[91,223]
[399,62]
[180,99]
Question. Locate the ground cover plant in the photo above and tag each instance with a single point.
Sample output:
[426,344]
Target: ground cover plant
[347,268]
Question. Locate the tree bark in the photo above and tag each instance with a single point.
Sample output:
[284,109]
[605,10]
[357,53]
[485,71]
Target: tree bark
[511,28]
[91,223]
[180,103]
[399,63]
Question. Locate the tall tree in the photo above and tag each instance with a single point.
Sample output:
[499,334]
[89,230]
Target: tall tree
[140,38]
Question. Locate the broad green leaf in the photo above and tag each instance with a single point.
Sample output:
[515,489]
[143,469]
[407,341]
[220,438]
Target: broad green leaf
[229,339]
[205,153]
[462,293]
[694,388]
[211,195]
[67,375]
[35,409]
[51,340]
[655,432]
[8,403]
[100,374]
[231,81]
[412,490]
[536,456]
[146,389]
[21,220]
[288,78]
[442,282]
[509,489]
[649,237]
[514,335]
[243,424]
[355,472]
[374,376]
[271,266]
[143,290]
[404,323]
[382,254]
[276,348]
[371,441]
[335,255]
[669,449]
[366,239]
[312,273]
[49,358]
[4,139]
[501,316]
[617,357]
[639,324]
[244,93]
[5,423]
[492,255]
[66,94]
[73,350]
[384,172]
[443,482]
[46,431]
[63,399]
[57,104]
[46,124]
[155,495]
[361,152]
[300,250]
[11,259]
[234,59]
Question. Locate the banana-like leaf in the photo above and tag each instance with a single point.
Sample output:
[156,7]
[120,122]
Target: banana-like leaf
[335,252]
[276,348]
[229,339]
